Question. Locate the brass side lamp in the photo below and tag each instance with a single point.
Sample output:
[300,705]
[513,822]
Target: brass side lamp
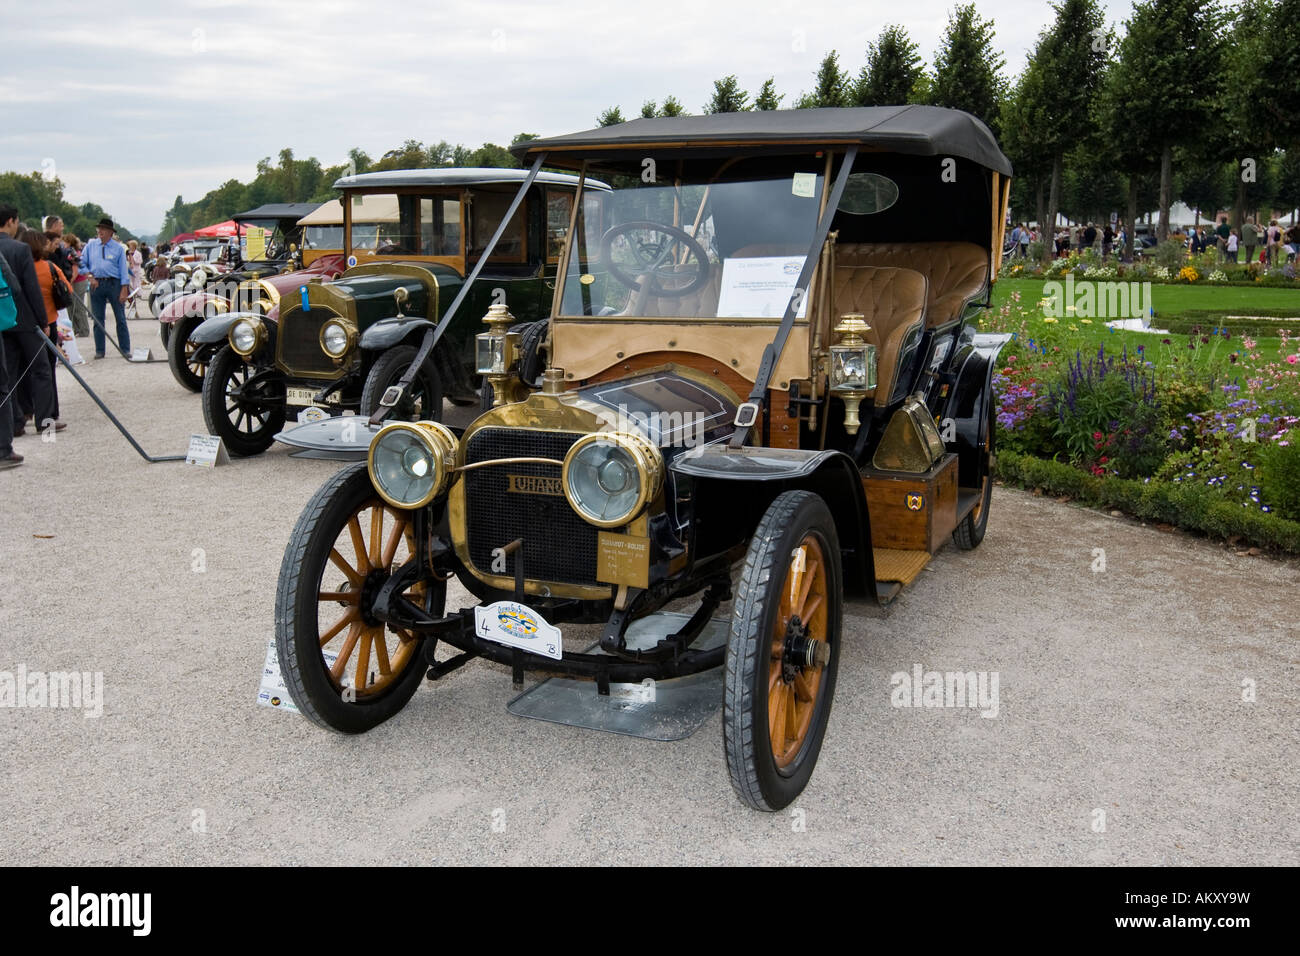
[496,351]
[853,367]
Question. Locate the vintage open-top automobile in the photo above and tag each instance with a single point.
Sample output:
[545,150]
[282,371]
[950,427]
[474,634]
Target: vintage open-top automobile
[340,345]
[764,385]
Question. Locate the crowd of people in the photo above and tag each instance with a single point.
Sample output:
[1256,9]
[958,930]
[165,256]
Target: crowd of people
[46,277]
[1264,244]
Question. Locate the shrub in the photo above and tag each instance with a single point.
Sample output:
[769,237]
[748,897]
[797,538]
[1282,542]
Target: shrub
[1279,474]
[1170,254]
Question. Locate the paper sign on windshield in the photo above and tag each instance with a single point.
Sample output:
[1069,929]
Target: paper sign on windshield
[759,288]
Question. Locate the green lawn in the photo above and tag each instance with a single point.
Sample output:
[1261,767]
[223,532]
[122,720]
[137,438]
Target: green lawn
[1174,298]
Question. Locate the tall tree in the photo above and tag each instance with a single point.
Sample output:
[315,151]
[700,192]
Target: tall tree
[728,97]
[893,66]
[649,110]
[1020,121]
[767,98]
[611,117]
[968,67]
[1065,72]
[672,107]
[1168,79]
[831,86]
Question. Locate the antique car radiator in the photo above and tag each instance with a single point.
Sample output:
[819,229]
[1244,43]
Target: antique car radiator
[297,346]
[509,501]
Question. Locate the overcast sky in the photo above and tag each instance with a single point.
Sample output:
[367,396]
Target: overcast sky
[132,104]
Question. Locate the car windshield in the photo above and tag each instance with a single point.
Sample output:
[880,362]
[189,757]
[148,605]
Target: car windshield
[262,239]
[728,243]
[406,224]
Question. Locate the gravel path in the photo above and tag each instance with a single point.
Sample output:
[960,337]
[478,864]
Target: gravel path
[1119,691]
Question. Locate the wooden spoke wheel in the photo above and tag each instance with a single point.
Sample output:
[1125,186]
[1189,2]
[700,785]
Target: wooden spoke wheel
[180,353]
[783,651]
[345,669]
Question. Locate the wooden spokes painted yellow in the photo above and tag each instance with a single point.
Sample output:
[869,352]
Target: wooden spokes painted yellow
[792,702]
[358,655]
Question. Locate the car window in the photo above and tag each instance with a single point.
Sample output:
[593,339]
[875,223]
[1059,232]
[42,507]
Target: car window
[868,193]
[487,209]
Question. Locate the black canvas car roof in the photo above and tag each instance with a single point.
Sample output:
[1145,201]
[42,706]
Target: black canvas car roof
[918,130]
[451,176]
[278,210]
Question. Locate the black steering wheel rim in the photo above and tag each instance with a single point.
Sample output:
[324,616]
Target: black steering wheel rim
[678,236]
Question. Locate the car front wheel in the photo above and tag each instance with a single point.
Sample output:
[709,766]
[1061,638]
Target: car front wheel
[242,403]
[345,670]
[783,651]
[180,352]
[422,401]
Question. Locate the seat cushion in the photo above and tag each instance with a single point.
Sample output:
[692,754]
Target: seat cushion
[893,302]
[957,271]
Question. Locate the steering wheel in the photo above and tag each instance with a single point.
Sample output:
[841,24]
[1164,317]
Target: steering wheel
[654,248]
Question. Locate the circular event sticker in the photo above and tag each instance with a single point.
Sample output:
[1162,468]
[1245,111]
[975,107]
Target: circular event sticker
[352,260]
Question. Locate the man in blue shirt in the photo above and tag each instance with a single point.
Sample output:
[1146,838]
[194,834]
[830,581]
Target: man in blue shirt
[110,283]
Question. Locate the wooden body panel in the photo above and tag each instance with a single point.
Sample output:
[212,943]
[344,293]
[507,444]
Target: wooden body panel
[896,525]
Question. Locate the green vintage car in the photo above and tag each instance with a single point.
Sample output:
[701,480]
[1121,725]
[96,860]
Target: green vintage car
[340,345]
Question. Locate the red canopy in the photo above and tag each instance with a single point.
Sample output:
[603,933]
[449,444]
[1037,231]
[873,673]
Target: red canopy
[182,237]
[227,228]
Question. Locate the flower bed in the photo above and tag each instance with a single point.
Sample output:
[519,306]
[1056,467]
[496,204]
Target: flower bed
[1206,417]
[1170,264]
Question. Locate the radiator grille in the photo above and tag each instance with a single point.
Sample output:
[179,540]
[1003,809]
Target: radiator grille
[558,545]
[297,346]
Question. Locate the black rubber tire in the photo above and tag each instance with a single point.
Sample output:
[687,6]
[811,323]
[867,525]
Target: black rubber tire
[225,366]
[165,333]
[532,336]
[970,530]
[297,638]
[754,774]
[178,337]
[388,370]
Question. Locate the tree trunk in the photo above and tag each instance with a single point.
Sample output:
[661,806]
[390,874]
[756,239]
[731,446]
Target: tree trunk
[1131,236]
[1040,211]
[1166,191]
[1047,226]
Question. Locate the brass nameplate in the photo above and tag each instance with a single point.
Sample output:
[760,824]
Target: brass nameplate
[623,559]
[534,485]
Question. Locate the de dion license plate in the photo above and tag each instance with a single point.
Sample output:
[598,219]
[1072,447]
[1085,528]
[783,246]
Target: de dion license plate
[300,396]
[517,625]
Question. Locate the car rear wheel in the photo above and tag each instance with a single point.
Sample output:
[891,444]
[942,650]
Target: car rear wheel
[346,671]
[421,402]
[783,651]
[245,410]
[970,530]
[180,352]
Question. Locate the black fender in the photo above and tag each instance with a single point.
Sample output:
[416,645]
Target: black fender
[215,330]
[386,333]
[969,401]
[755,476]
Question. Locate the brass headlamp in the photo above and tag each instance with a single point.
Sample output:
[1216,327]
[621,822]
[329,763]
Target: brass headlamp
[853,367]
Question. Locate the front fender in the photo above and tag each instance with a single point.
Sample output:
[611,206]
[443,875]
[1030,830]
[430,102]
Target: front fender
[217,328]
[830,473]
[190,305]
[969,400]
[386,333]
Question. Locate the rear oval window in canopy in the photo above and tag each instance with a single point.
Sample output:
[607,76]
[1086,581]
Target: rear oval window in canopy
[867,193]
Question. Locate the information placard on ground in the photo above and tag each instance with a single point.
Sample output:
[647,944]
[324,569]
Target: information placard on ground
[206,451]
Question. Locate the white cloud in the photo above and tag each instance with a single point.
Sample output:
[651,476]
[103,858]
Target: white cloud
[145,103]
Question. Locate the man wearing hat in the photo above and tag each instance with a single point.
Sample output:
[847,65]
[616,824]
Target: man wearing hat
[110,282]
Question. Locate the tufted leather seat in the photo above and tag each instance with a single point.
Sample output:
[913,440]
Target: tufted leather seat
[957,270]
[893,301]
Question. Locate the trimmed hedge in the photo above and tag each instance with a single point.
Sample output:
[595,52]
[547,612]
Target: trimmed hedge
[1185,506]
[1209,319]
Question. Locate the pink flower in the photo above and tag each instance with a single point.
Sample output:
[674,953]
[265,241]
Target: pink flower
[1292,359]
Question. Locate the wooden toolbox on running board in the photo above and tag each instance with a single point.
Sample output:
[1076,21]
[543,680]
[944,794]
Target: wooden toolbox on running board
[911,511]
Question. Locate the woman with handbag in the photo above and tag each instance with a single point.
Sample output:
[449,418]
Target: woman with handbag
[56,293]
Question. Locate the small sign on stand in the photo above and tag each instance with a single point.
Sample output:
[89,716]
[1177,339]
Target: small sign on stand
[206,451]
[141,354]
[273,693]
[312,413]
